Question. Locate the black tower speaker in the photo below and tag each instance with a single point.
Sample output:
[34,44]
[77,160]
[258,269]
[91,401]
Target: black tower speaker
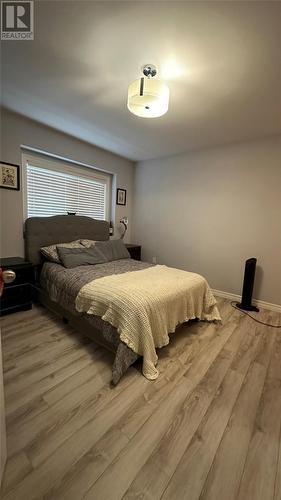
[248,285]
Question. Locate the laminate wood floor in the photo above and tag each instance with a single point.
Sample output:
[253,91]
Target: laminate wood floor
[208,428]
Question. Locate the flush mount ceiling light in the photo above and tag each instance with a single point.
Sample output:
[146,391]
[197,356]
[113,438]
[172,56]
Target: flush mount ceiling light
[148,97]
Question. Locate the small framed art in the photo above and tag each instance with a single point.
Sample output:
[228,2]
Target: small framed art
[9,176]
[121,196]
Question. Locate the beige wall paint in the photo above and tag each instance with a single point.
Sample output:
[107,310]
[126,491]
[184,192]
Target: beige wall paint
[3,448]
[209,211]
[16,131]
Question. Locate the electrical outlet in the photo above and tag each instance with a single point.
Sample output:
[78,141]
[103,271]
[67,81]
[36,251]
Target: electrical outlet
[154,260]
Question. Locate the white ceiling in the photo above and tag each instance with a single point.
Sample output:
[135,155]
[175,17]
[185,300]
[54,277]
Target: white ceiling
[225,83]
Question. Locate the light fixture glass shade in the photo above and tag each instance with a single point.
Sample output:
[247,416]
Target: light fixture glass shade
[148,98]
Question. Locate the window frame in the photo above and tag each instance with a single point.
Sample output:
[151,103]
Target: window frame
[52,162]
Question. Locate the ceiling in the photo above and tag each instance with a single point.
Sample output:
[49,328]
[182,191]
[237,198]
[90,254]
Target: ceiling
[221,61]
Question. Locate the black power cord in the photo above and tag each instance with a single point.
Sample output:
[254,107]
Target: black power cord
[252,317]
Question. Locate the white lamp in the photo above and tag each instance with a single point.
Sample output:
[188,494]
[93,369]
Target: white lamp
[124,221]
[148,97]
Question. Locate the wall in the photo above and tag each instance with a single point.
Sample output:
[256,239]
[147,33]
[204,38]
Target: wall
[208,211]
[18,130]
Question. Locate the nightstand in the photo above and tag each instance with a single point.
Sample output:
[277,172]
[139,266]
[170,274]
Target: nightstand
[134,251]
[17,294]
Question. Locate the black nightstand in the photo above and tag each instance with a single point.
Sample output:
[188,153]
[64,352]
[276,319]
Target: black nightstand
[17,294]
[134,251]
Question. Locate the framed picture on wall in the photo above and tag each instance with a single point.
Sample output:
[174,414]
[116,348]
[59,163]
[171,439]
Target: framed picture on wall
[121,196]
[9,176]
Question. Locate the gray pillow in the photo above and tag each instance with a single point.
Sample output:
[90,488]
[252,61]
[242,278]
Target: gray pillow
[74,257]
[113,249]
[51,252]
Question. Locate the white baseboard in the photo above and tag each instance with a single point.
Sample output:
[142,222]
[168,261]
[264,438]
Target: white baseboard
[259,303]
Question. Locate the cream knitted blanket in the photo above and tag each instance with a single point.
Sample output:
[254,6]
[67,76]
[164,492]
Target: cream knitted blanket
[146,305]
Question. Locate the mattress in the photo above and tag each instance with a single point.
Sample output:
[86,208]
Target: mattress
[63,285]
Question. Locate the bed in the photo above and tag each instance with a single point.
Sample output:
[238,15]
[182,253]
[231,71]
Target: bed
[73,293]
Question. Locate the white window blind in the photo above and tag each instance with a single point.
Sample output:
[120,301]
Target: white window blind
[50,192]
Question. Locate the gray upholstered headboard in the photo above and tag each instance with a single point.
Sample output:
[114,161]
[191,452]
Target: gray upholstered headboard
[43,231]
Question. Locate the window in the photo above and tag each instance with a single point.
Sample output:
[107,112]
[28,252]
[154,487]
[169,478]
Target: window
[54,187]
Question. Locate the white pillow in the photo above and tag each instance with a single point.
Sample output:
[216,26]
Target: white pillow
[51,253]
[88,243]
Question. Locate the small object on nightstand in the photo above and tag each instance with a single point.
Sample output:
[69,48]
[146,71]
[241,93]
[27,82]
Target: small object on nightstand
[17,292]
[125,222]
[134,251]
